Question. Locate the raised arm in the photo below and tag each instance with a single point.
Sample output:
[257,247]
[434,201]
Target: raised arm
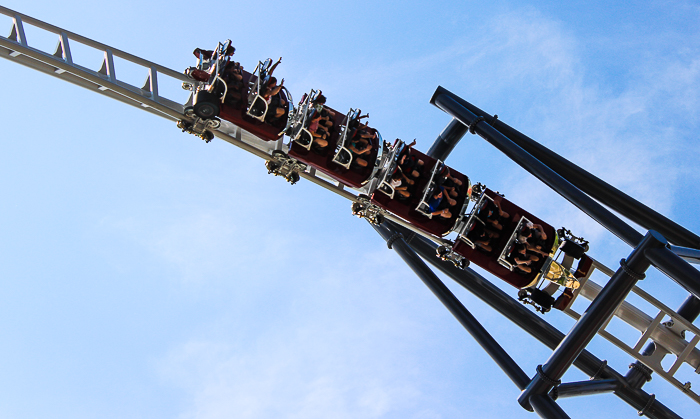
[274,66]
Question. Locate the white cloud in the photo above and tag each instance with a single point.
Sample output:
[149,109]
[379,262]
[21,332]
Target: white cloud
[633,139]
[297,374]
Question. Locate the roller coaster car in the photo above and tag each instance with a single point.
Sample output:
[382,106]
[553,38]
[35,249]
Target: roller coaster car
[415,208]
[497,257]
[558,272]
[546,275]
[218,93]
[335,159]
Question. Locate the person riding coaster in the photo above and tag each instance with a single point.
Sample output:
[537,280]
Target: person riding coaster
[310,124]
[233,77]
[206,86]
[517,255]
[414,206]
[221,89]
[436,200]
[476,228]
[210,90]
[521,258]
[525,251]
[356,143]
[208,58]
[265,103]
[391,166]
[481,236]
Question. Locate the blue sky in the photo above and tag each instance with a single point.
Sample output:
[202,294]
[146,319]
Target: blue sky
[144,273]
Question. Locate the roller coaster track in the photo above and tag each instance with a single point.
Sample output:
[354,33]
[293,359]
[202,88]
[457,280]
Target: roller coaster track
[665,327]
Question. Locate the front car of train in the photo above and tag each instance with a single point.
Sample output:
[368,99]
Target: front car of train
[521,249]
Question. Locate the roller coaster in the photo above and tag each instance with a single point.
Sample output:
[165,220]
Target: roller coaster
[428,211]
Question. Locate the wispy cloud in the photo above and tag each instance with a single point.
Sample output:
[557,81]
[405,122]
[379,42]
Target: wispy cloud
[633,138]
[328,357]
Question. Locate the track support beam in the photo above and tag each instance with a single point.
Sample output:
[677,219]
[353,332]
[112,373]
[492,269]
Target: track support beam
[396,241]
[447,140]
[535,326]
[614,292]
[587,182]
[585,388]
[675,267]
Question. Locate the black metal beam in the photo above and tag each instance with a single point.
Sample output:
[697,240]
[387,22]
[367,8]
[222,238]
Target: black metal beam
[560,185]
[620,202]
[479,333]
[590,184]
[690,255]
[690,309]
[584,388]
[678,269]
[590,322]
[447,140]
[548,408]
[535,325]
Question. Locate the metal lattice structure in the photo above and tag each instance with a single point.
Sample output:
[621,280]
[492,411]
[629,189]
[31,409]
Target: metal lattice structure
[669,335]
[665,328]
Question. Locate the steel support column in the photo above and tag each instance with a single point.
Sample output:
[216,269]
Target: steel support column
[547,408]
[560,185]
[584,388]
[588,183]
[684,274]
[600,310]
[479,333]
[447,140]
[535,325]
